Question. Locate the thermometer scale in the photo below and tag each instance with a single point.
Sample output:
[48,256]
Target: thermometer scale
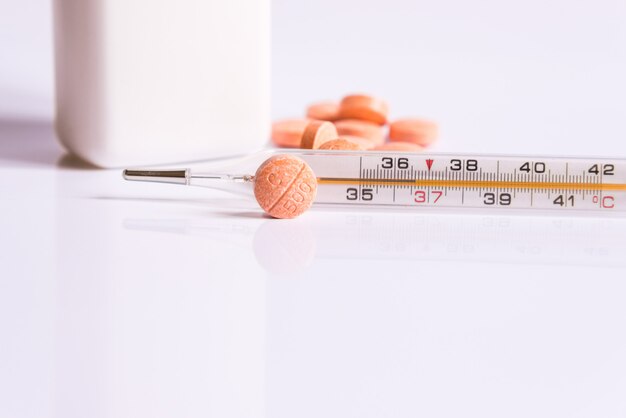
[411,181]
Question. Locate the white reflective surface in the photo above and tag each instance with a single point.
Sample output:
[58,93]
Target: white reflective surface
[122,299]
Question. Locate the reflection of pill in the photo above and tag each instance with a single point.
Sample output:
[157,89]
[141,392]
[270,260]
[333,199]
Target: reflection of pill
[285,186]
[419,131]
[284,248]
[359,106]
[288,132]
[316,133]
[362,129]
[400,146]
[363,143]
[323,111]
[341,144]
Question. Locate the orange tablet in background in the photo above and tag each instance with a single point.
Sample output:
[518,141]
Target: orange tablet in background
[363,143]
[364,107]
[341,144]
[328,111]
[361,128]
[287,133]
[418,131]
[316,133]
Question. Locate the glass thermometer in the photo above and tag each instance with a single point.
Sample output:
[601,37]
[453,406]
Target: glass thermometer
[411,181]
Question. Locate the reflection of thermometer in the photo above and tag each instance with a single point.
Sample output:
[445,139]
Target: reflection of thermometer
[412,181]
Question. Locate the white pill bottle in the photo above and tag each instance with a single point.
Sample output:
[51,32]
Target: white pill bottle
[142,82]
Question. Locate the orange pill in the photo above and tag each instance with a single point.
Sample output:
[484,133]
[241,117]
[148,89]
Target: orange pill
[287,133]
[400,146]
[323,111]
[363,143]
[316,133]
[285,186]
[418,131]
[363,107]
[341,145]
[361,128]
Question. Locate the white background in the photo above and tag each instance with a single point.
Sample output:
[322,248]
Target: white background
[526,76]
[120,301]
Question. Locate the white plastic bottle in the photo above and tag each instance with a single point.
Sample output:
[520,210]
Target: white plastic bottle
[161,81]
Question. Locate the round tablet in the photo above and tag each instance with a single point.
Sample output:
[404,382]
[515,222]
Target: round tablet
[400,146]
[363,107]
[287,133]
[284,186]
[341,144]
[361,128]
[418,131]
[323,111]
[316,133]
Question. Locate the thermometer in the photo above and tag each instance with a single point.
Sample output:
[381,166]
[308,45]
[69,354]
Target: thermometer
[412,181]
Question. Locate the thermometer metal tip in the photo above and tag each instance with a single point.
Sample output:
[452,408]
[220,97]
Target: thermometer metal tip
[158,176]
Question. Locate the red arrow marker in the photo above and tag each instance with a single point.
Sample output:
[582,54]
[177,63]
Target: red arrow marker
[429,163]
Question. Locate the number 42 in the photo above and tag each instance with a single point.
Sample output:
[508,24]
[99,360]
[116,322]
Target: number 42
[606,169]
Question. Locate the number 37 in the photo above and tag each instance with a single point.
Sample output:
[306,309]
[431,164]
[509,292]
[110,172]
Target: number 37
[421,196]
